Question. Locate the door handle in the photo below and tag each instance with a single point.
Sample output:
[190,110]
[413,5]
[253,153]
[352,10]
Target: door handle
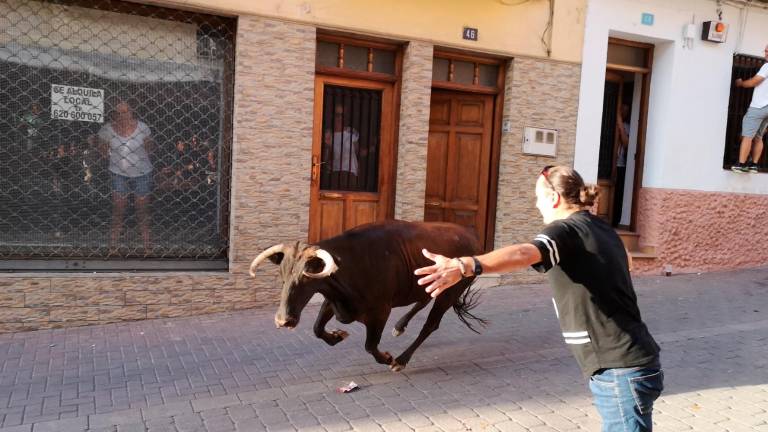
[434,203]
[315,168]
[331,195]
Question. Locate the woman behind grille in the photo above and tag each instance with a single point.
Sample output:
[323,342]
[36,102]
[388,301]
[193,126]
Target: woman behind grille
[342,142]
[127,142]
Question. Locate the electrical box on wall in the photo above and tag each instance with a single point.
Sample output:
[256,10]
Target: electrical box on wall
[714,31]
[540,142]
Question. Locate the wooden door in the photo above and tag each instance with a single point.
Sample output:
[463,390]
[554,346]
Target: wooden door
[459,159]
[352,154]
[609,141]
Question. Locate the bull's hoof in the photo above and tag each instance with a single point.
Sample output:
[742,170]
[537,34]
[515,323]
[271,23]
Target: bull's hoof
[396,367]
[397,332]
[336,336]
[386,358]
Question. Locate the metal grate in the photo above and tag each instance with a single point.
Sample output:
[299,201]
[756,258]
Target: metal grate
[115,135]
[350,149]
[744,67]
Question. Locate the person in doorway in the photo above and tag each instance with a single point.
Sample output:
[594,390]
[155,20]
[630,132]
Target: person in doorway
[594,299]
[342,142]
[127,142]
[751,141]
[622,124]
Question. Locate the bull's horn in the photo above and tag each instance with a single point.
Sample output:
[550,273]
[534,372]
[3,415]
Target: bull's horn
[328,268]
[264,255]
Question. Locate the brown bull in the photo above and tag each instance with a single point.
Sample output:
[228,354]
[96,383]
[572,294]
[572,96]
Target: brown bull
[364,273]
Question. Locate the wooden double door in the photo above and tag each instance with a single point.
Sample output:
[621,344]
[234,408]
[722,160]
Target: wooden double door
[459,159]
[352,155]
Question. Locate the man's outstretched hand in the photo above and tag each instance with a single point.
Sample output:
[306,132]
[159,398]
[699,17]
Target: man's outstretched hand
[441,275]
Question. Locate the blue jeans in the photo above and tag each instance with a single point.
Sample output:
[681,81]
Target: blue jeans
[140,186]
[624,397]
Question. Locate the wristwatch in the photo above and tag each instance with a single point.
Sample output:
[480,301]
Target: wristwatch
[478,267]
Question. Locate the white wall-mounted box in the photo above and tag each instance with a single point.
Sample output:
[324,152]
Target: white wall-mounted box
[540,142]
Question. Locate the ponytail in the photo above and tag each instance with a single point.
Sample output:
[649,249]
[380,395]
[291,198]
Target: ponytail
[588,195]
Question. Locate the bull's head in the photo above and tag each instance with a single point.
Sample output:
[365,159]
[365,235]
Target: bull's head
[301,268]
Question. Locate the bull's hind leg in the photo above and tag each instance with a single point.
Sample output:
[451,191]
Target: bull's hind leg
[402,323]
[374,326]
[441,305]
[325,315]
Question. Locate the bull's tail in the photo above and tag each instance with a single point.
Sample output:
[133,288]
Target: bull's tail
[463,307]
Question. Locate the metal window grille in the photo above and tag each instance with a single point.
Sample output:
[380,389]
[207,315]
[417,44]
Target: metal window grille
[351,133]
[115,136]
[744,67]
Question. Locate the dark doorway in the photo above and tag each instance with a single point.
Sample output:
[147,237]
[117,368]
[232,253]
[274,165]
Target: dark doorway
[622,136]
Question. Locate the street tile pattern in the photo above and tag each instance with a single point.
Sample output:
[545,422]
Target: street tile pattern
[235,372]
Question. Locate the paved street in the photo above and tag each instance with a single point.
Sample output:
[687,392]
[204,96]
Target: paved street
[235,371]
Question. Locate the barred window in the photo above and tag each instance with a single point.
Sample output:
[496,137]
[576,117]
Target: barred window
[351,131]
[744,67]
[116,135]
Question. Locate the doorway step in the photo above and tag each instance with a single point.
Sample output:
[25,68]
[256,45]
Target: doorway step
[631,241]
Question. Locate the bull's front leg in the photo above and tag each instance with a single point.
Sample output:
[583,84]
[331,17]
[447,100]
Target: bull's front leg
[325,315]
[374,326]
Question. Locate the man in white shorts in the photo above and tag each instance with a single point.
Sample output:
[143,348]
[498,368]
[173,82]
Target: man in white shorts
[757,114]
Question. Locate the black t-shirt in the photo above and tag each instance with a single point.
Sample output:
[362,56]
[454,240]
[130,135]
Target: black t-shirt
[594,300]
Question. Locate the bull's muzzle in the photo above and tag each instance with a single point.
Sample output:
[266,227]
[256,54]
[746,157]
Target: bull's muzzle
[287,322]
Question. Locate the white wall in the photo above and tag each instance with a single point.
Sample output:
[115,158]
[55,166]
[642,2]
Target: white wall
[689,94]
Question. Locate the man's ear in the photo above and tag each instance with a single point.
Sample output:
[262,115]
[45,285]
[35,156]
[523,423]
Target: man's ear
[555,199]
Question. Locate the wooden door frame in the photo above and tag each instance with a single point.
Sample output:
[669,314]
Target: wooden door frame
[642,122]
[498,111]
[396,46]
[386,188]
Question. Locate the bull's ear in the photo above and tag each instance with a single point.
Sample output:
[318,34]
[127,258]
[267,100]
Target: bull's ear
[315,256]
[276,258]
[314,265]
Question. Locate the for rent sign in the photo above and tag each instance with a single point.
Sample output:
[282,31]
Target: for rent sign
[77,103]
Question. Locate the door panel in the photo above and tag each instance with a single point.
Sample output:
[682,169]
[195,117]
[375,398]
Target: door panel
[362,212]
[469,153]
[470,113]
[331,217]
[351,178]
[605,203]
[458,159]
[606,172]
[440,112]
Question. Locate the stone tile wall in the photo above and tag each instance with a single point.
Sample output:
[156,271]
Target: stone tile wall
[414,132]
[539,93]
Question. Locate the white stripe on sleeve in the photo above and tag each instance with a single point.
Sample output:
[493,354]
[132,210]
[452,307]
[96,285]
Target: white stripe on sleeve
[554,246]
[581,341]
[575,334]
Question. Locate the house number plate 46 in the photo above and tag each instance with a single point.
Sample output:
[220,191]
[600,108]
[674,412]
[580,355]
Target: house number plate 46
[470,33]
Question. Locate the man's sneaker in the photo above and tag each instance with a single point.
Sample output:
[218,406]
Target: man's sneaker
[752,168]
[739,168]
